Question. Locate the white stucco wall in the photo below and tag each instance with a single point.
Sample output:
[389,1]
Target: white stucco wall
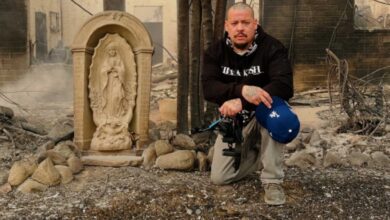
[169,19]
[73,17]
[45,7]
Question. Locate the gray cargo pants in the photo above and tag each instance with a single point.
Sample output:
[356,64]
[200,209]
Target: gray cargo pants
[258,151]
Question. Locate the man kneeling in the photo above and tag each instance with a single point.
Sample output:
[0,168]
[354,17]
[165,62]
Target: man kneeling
[248,70]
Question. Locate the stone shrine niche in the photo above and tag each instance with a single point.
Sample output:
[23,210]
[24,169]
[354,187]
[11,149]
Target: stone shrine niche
[112,65]
[112,91]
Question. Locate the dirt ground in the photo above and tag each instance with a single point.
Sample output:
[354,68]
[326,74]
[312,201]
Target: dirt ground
[133,193]
[136,193]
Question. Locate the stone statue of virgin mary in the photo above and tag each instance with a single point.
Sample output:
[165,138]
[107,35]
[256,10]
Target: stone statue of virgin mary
[112,92]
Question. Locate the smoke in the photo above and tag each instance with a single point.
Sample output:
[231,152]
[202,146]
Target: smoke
[43,85]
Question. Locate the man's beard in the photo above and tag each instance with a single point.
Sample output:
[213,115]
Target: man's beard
[241,46]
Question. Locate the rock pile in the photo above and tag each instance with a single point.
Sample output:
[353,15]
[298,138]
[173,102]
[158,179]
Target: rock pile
[33,159]
[180,153]
[54,165]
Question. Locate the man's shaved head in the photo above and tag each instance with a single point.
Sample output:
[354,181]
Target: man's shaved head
[240,6]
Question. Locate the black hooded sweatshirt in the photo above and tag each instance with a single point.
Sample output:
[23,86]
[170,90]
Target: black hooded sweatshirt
[266,66]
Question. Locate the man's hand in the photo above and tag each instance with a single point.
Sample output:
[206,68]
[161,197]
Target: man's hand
[256,95]
[231,107]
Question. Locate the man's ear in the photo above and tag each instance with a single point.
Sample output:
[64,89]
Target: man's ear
[255,22]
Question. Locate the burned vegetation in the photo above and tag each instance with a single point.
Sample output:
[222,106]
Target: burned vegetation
[363,100]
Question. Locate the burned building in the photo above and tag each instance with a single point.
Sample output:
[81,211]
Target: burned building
[306,28]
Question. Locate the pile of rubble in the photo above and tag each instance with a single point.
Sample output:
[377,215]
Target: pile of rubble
[33,159]
[164,83]
[320,148]
[312,149]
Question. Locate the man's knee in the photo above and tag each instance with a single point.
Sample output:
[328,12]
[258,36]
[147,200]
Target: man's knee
[219,179]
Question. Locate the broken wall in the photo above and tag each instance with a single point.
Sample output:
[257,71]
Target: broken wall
[306,28]
[44,27]
[13,40]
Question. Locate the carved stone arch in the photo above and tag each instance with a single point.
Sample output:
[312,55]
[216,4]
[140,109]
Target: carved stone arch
[133,31]
[125,24]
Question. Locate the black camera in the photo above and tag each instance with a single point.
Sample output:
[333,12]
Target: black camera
[231,131]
